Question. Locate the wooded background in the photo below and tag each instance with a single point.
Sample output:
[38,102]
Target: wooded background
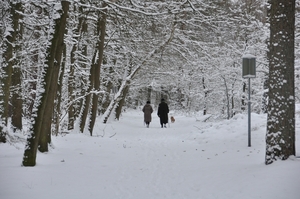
[63,63]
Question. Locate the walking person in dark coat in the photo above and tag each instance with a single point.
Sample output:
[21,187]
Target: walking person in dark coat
[147,109]
[162,113]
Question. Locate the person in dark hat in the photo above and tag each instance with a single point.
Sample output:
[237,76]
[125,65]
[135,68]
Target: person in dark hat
[162,113]
[147,109]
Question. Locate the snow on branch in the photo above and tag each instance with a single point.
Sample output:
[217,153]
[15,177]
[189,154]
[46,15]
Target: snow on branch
[126,81]
[137,11]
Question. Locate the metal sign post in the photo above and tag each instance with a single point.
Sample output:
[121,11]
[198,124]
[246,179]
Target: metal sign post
[249,71]
[249,115]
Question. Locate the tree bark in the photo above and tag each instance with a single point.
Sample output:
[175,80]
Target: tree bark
[205,96]
[243,98]
[80,30]
[10,60]
[121,102]
[106,97]
[12,48]
[71,112]
[280,138]
[53,63]
[97,67]
[57,112]
[16,99]
[227,98]
[87,100]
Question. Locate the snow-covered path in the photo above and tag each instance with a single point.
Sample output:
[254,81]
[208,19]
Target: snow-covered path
[126,160]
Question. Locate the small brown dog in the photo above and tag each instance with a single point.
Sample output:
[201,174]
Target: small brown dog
[172,119]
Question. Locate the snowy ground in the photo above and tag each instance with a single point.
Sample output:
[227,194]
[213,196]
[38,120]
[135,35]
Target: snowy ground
[125,160]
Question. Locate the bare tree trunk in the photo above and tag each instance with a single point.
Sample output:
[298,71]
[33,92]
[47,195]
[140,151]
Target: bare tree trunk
[10,60]
[227,97]
[53,61]
[6,91]
[97,67]
[121,102]
[106,97]
[265,95]
[16,100]
[10,54]
[54,64]
[280,138]
[108,89]
[87,100]
[71,114]
[232,112]
[116,100]
[205,97]
[243,106]
[57,112]
[80,30]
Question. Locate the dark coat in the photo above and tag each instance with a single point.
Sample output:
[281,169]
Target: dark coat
[147,109]
[162,112]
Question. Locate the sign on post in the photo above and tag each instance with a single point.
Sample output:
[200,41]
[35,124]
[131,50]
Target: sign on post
[249,71]
[249,66]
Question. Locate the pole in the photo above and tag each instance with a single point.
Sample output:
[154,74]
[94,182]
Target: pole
[249,115]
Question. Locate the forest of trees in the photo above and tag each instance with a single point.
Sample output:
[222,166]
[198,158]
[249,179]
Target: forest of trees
[64,63]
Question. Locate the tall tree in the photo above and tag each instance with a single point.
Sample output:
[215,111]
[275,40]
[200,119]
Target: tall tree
[11,70]
[280,137]
[92,93]
[53,62]
[51,76]
[101,26]
[16,99]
